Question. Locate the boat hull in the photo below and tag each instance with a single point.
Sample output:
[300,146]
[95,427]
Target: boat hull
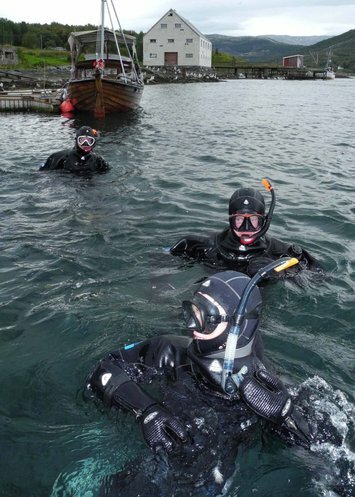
[329,75]
[102,96]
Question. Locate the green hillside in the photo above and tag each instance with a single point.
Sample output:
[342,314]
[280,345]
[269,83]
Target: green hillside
[266,50]
[342,50]
[253,48]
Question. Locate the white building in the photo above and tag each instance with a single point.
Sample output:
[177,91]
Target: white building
[175,41]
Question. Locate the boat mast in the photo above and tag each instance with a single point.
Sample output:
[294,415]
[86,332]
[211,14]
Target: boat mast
[102,28]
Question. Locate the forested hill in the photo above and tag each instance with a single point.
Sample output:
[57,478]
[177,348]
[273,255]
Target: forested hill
[268,50]
[254,49]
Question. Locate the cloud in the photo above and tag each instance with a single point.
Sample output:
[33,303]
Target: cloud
[232,17]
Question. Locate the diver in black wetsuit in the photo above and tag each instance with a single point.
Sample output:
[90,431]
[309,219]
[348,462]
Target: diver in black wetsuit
[79,160]
[244,245]
[210,404]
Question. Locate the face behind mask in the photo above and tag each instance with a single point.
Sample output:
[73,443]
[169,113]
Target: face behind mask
[210,313]
[246,223]
[85,139]
[247,218]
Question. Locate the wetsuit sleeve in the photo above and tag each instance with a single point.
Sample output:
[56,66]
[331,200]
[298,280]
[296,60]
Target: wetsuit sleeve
[55,161]
[277,249]
[115,379]
[194,247]
[113,384]
[115,388]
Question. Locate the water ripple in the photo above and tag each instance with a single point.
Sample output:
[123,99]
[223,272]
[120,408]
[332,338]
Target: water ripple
[83,267]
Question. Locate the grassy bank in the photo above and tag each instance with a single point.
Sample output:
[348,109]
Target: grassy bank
[36,58]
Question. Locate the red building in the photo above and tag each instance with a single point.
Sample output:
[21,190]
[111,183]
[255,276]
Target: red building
[293,61]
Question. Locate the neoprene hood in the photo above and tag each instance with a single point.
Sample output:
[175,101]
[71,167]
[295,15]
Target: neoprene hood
[247,200]
[226,288]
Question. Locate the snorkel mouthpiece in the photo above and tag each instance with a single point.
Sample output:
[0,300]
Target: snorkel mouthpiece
[230,381]
[248,240]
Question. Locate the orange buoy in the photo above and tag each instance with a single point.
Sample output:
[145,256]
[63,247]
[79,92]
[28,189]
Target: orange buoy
[66,106]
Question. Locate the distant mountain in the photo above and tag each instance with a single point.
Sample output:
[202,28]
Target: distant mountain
[266,50]
[254,48]
[297,40]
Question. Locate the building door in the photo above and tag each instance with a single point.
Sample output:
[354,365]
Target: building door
[170,58]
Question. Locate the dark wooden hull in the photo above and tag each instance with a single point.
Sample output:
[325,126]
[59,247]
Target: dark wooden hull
[100,95]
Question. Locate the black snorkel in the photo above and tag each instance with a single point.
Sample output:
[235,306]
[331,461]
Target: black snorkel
[249,239]
[230,381]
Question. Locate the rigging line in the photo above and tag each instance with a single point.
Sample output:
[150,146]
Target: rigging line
[125,41]
[117,45]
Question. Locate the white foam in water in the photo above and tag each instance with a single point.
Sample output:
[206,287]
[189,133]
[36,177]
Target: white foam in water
[84,481]
[324,400]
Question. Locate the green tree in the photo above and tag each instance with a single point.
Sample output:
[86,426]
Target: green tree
[139,45]
[7,31]
[30,40]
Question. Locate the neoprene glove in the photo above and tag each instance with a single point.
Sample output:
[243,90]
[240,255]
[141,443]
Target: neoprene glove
[161,429]
[179,248]
[266,395]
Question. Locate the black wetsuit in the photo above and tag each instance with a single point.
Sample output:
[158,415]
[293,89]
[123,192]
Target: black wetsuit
[190,389]
[222,250]
[76,161]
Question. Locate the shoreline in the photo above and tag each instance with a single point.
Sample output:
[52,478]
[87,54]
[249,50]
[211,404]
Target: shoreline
[57,77]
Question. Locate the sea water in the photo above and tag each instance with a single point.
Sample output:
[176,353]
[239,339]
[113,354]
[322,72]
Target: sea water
[84,268]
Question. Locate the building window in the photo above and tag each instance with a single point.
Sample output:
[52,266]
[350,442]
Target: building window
[152,55]
[189,55]
[163,26]
[153,40]
[189,40]
[171,40]
[178,25]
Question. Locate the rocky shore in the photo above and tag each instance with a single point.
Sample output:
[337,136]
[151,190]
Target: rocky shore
[51,77]
[173,74]
[57,77]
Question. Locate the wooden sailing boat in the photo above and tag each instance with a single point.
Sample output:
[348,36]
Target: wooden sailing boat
[108,80]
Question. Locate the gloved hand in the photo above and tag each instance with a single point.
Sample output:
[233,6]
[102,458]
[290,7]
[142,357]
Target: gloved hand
[266,395]
[296,251]
[257,263]
[179,248]
[161,429]
[162,354]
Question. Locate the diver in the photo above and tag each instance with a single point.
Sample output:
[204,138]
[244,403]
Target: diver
[244,245]
[80,160]
[216,390]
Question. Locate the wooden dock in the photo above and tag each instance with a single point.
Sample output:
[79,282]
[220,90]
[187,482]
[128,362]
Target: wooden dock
[36,101]
[267,72]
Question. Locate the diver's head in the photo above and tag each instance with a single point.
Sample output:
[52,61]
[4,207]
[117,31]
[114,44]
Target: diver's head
[85,139]
[211,312]
[246,214]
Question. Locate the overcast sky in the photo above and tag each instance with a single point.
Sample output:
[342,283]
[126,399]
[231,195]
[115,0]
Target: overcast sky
[228,17]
